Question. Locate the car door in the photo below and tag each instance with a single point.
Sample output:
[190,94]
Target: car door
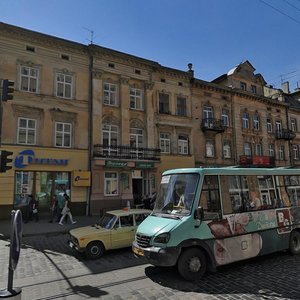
[122,235]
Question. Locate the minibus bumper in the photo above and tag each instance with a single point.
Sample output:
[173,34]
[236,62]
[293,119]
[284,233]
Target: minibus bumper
[163,257]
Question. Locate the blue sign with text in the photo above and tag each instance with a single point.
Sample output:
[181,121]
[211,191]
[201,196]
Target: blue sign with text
[27,157]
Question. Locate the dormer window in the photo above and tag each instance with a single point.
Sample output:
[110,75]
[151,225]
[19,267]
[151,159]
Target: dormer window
[243,86]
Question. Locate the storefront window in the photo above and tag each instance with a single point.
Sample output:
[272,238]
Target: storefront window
[111,183]
[43,185]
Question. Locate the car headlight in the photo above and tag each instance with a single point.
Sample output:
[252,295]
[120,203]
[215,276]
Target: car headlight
[162,238]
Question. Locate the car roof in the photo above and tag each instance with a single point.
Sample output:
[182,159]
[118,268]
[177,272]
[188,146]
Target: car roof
[126,212]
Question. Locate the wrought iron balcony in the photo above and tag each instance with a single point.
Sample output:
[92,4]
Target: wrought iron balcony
[126,152]
[212,124]
[285,134]
[257,161]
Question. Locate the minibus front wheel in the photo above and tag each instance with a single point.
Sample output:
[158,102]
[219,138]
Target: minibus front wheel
[192,264]
[295,242]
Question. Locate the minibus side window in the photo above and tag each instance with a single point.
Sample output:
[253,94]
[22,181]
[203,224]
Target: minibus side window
[291,192]
[210,198]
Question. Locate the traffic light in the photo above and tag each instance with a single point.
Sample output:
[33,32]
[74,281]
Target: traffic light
[7,90]
[4,159]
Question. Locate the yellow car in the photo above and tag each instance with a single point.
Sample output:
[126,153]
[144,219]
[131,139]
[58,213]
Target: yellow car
[116,229]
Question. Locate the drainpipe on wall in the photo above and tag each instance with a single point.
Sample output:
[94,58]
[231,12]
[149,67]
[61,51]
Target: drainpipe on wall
[234,128]
[289,142]
[90,127]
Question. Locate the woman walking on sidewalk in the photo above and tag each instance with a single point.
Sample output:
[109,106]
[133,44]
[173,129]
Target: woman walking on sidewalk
[66,211]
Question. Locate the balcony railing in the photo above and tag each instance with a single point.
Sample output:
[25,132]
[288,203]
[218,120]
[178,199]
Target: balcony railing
[284,134]
[257,161]
[126,152]
[212,124]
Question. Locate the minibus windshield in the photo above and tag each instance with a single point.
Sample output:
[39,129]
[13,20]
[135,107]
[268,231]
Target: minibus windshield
[176,194]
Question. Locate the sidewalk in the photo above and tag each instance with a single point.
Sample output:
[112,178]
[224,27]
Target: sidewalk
[43,227]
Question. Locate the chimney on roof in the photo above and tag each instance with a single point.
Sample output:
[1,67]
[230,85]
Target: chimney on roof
[285,86]
[190,71]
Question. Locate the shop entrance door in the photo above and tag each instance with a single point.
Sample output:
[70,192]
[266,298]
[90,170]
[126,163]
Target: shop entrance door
[137,190]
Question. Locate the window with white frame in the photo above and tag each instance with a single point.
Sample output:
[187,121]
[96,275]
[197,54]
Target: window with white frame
[183,144]
[136,137]
[281,152]
[271,150]
[256,125]
[227,149]
[136,99]
[225,117]
[258,149]
[111,184]
[296,152]
[63,134]
[26,131]
[110,94]
[294,125]
[210,148]
[269,126]
[181,106]
[29,79]
[247,149]
[278,126]
[110,136]
[64,85]
[245,120]
[163,103]
[208,116]
[165,142]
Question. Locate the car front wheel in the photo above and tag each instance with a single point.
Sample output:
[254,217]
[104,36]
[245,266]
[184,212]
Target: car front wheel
[94,250]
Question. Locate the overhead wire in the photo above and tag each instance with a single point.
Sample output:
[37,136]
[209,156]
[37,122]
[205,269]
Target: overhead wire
[292,5]
[280,11]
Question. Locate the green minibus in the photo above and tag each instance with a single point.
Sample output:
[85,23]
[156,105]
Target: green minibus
[208,217]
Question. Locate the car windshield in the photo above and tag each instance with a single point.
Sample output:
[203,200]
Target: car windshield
[176,195]
[107,221]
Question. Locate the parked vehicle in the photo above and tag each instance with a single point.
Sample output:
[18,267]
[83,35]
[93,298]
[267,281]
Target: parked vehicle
[116,229]
[207,217]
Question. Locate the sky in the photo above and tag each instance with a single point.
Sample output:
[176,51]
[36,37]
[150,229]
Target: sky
[213,35]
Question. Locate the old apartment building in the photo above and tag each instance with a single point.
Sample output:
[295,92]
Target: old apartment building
[102,125]
[46,123]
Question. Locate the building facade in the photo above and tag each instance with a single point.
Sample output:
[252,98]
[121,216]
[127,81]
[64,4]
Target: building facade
[46,123]
[102,125]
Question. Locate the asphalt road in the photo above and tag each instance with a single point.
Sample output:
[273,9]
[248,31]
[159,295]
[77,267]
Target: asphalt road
[48,269]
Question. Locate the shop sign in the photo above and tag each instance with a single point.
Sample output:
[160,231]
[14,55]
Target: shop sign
[144,165]
[116,164]
[82,178]
[27,157]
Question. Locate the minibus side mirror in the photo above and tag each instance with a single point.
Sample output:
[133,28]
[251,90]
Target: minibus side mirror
[199,213]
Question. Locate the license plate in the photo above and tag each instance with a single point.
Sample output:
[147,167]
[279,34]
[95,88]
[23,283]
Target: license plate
[138,251]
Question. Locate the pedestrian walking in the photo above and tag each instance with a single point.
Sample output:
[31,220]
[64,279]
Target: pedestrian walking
[33,213]
[66,211]
[54,209]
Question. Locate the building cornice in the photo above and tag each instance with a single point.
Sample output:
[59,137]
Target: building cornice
[37,38]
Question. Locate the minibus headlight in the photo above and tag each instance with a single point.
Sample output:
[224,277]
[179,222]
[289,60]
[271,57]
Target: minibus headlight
[162,238]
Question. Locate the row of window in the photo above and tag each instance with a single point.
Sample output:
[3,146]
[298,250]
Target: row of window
[243,86]
[27,133]
[248,193]
[250,150]
[65,85]
[256,123]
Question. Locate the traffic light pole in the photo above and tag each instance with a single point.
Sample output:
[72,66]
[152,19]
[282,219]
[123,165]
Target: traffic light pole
[1,109]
